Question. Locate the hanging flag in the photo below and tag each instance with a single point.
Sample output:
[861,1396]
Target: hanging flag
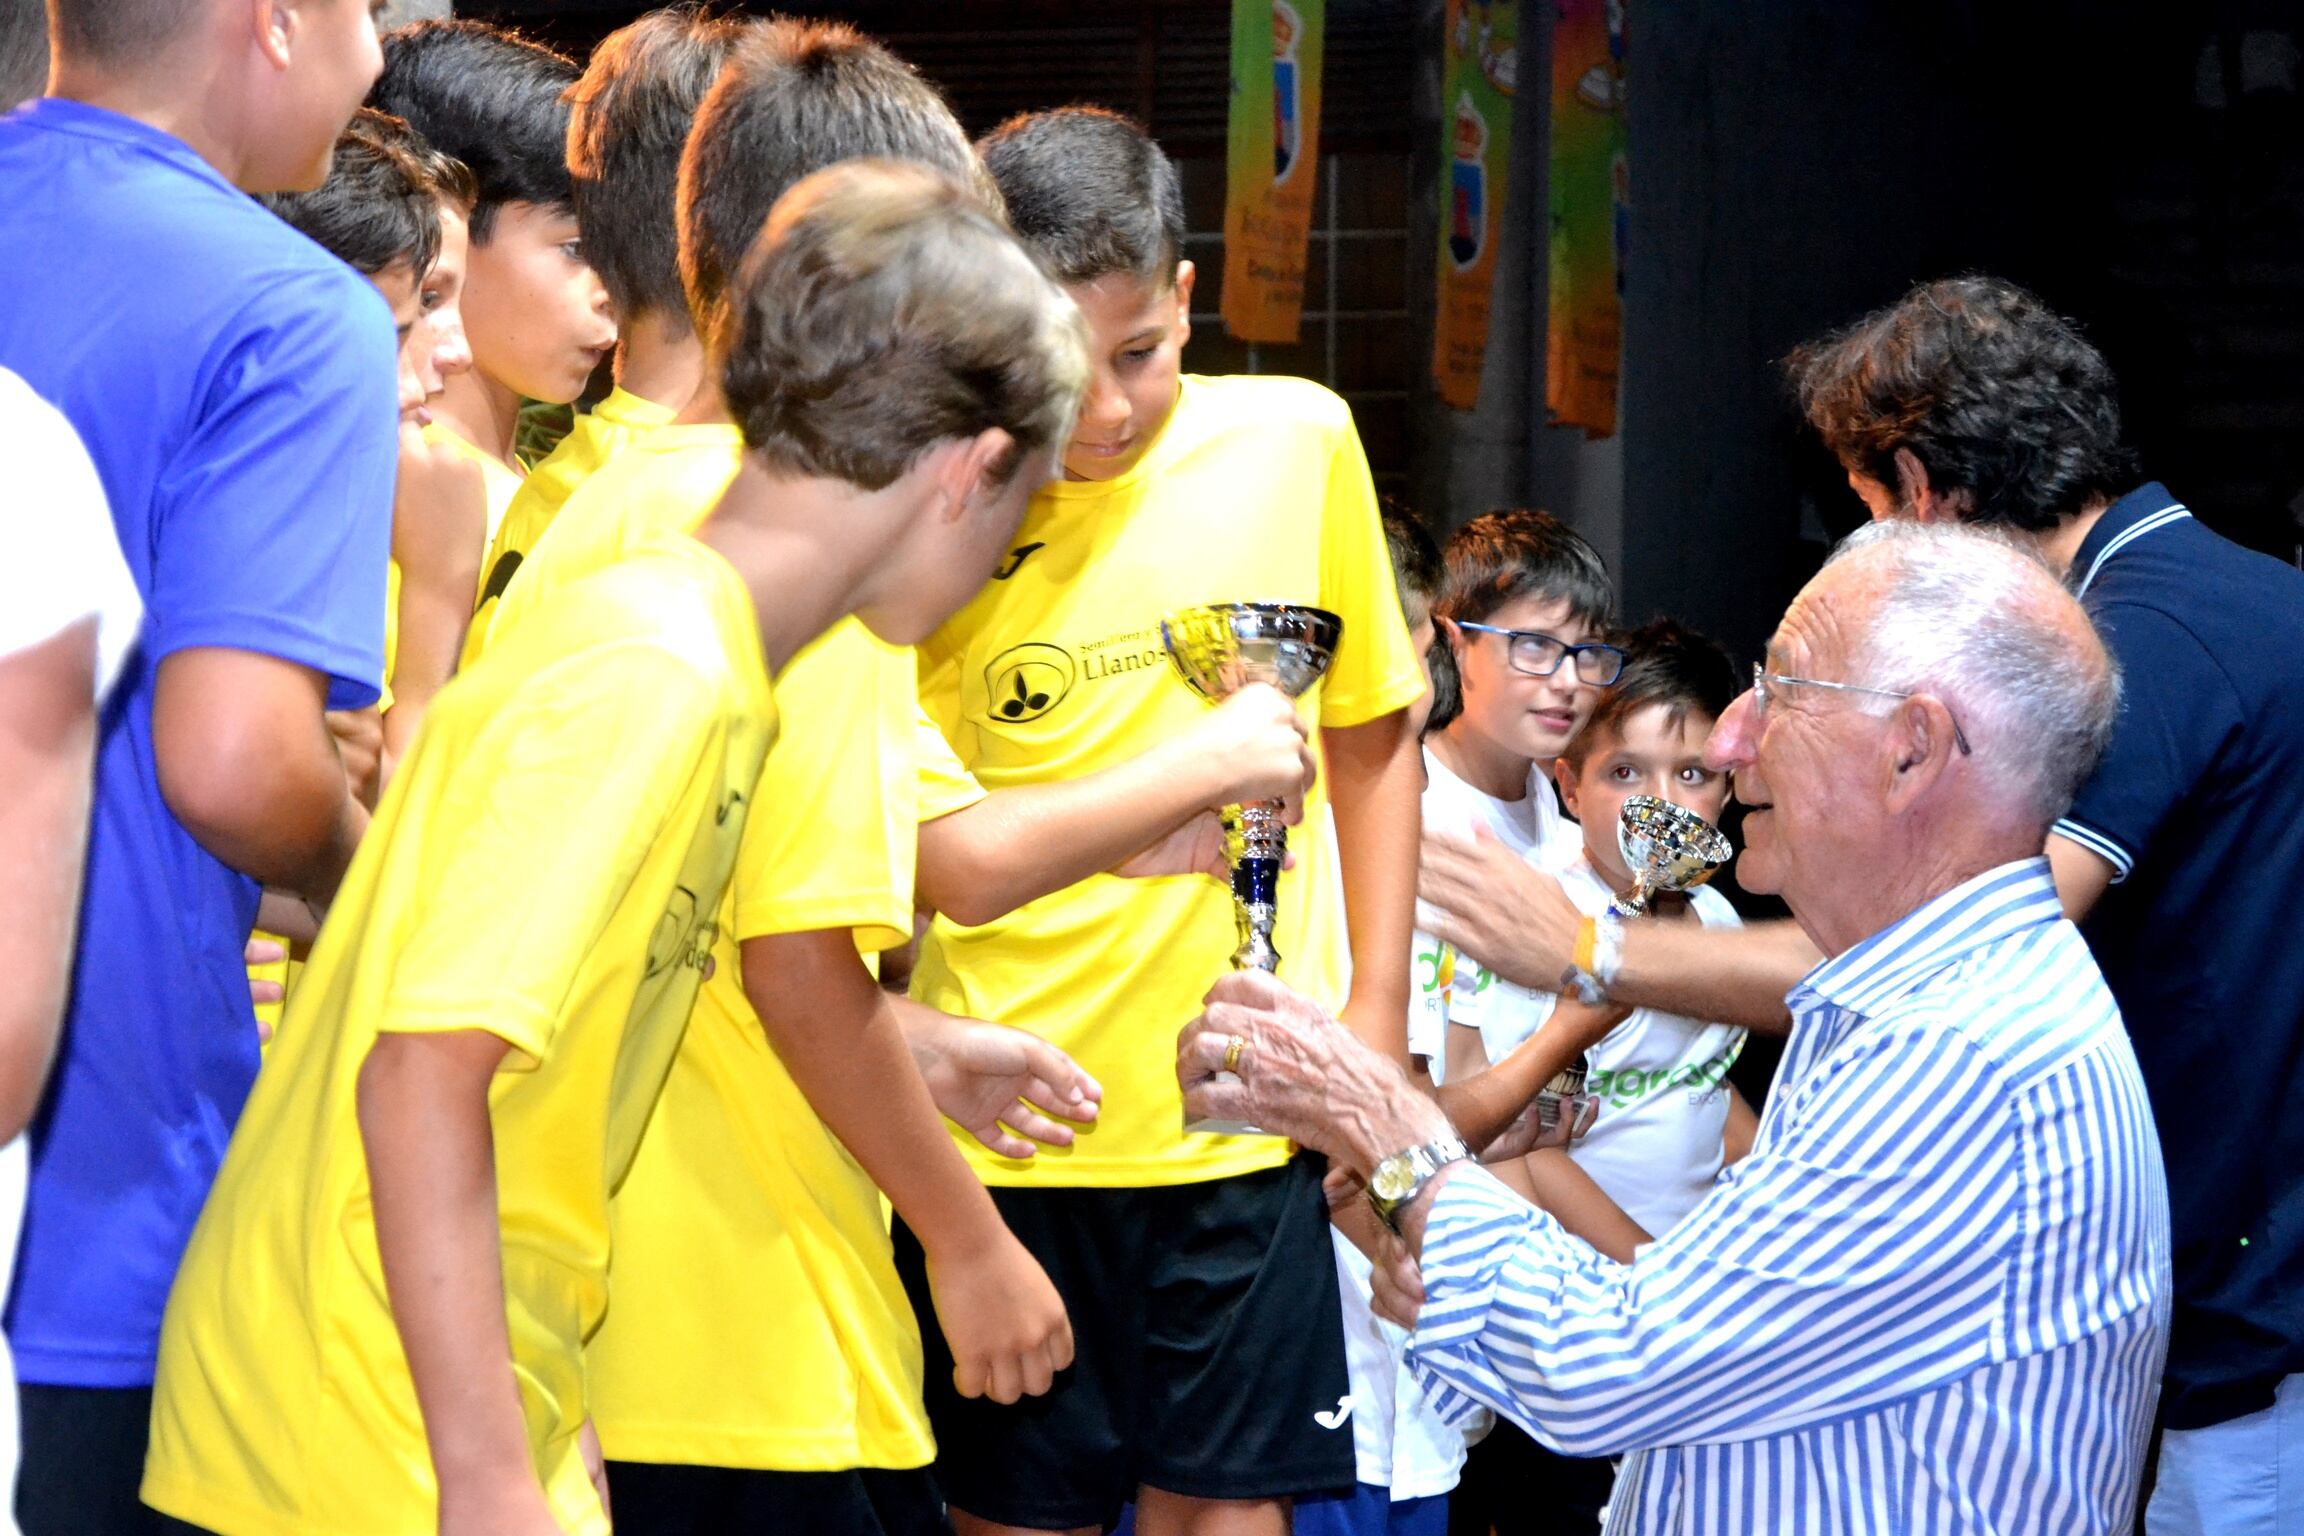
[1584,334]
[1271,162]
[1478,71]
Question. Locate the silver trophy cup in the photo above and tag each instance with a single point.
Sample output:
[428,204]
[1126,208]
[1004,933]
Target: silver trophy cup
[1220,649]
[1667,847]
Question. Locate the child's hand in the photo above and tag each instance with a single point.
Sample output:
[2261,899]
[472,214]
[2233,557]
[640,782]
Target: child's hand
[1001,1085]
[1196,848]
[1395,1284]
[1003,1319]
[1258,747]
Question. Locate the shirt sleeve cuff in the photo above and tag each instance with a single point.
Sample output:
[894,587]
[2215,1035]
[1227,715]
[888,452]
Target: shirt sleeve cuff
[2123,863]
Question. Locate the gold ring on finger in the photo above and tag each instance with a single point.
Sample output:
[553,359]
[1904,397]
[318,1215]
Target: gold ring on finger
[1232,1054]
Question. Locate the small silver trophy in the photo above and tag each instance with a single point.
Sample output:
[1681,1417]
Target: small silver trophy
[1667,848]
[1220,649]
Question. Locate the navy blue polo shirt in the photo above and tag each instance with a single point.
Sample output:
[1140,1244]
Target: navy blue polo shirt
[235,387]
[2199,807]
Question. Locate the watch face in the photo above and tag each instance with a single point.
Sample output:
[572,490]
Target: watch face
[1392,1179]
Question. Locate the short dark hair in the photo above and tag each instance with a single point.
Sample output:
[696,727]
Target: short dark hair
[1416,572]
[23,52]
[489,98]
[629,119]
[884,309]
[793,98]
[451,179]
[1996,395]
[1089,192]
[115,32]
[1665,663]
[1513,553]
[378,207]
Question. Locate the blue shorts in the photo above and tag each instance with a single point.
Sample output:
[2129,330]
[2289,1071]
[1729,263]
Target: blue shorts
[1372,1511]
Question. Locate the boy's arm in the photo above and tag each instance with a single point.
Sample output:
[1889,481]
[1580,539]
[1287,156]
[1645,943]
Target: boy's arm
[1482,1105]
[837,1034]
[1515,920]
[439,534]
[1578,1203]
[1737,1135]
[47,744]
[1015,845]
[1376,790]
[423,1109]
[246,762]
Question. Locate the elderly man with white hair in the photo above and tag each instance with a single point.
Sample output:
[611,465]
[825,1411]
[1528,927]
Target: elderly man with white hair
[1936,1295]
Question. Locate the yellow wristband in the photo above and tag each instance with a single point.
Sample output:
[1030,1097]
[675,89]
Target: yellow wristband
[1587,937]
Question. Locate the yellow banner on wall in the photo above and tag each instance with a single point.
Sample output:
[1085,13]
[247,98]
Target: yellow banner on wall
[1479,70]
[1271,162]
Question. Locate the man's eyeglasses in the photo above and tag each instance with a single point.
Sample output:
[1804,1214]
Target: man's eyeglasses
[1763,679]
[1539,655]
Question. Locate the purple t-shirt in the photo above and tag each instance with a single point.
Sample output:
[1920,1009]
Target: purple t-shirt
[235,387]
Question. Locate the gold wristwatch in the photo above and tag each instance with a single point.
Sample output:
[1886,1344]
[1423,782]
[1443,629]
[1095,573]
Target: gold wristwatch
[1400,1178]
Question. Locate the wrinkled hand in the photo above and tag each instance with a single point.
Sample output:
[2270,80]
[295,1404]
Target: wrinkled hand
[1396,1285]
[1298,1073]
[1493,905]
[1001,1085]
[1260,746]
[1003,1319]
[359,737]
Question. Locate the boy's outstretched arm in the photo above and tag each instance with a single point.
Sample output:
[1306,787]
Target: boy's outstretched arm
[423,1108]
[1376,790]
[1018,844]
[838,1035]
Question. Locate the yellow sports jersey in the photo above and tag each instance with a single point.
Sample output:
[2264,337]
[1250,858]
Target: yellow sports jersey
[946,785]
[1255,491]
[739,1189]
[613,424]
[668,478]
[547,866]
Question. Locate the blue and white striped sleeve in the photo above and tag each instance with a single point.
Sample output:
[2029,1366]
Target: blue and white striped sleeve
[1863,1256]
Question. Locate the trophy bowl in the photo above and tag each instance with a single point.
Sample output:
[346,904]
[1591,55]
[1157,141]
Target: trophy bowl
[1223,647]
[1667,847]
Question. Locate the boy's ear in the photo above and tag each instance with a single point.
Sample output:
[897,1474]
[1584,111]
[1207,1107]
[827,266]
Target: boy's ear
[1185,274]
[273,23]
[972,468]
[1565,777]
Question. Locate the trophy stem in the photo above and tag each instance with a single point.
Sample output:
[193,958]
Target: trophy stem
[1256,857]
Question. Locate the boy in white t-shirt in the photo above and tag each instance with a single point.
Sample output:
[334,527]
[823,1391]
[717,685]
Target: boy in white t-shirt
[1519,598]
[1669,1120]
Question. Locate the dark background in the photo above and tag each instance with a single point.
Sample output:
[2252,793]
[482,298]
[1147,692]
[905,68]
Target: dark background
[1793,163]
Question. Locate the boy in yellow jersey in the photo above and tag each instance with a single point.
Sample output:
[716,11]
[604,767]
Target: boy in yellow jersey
[628,118]
[378,1326]
[537,315]
[793,1099]
[1210,1385]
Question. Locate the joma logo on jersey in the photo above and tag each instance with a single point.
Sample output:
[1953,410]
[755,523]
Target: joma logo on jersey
[681,939]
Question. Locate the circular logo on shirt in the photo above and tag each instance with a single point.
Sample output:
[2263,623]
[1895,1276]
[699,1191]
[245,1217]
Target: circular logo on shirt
[1026,681]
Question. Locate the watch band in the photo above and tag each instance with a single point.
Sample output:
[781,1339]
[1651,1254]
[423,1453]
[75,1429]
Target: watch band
[1395,1182]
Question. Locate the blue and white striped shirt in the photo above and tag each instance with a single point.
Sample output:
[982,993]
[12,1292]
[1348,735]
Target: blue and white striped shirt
[1933,1299]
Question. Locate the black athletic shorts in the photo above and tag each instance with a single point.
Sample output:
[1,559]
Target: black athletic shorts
[1208,1360]
[652,1500]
